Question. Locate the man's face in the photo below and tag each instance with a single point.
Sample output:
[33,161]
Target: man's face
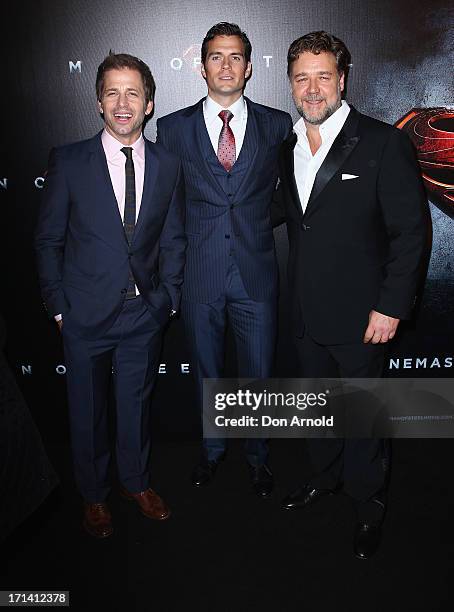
[316,86]
[225,69]
[123,104]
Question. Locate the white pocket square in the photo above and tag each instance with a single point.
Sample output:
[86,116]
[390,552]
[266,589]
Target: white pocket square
[346,177]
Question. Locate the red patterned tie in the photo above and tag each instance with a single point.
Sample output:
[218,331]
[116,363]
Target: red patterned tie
[226,146]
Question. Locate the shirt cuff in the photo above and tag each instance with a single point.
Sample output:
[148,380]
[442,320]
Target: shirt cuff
[58,317]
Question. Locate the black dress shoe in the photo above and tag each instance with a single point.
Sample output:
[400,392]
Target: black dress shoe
[303,497]
[262,480]
[204,472]
[366,540]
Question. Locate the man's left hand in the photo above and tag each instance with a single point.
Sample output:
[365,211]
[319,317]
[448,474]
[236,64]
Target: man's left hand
[381,328]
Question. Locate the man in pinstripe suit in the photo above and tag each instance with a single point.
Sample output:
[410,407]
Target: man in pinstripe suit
[229,149]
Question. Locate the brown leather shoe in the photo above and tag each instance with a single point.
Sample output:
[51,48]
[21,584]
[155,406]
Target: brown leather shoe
[97,520]
[149,502]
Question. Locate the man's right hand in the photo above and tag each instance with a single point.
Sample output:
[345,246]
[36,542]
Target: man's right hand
[60,325]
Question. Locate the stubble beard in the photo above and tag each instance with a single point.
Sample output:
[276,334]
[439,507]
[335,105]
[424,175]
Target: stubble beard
[323,114]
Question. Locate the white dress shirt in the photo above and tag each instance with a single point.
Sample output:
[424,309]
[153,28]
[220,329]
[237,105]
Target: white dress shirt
[213,122]
[306,164]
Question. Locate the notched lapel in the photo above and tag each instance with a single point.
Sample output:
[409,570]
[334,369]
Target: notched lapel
[194,130]
[104,195]
[341,148]
[256,131]
[149,182]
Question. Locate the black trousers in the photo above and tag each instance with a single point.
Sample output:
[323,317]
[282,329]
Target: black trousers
[359,465]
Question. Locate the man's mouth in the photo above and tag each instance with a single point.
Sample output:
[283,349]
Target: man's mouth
[122,117]
[313,102]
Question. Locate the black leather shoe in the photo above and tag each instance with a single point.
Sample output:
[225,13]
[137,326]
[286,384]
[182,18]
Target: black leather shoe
[262,480]
[303,497]
[366,540]
[204,472]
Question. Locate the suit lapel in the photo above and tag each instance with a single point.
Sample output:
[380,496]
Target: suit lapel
[194,131]
[257,130]
[149,182]
[345,142]
[106,207]
[289,169]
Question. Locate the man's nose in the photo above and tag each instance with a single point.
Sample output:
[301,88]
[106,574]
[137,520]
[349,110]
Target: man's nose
[313,86]
[122,98]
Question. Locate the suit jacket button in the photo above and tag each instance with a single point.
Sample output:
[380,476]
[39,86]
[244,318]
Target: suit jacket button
[304,226]
[124,291]
[227,236]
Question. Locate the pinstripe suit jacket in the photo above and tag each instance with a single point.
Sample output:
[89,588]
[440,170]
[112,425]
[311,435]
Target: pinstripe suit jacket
[216,220]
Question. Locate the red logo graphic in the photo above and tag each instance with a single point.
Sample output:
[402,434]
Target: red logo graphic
[432,132]
[192,58]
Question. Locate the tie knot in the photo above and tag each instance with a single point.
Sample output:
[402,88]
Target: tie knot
[226,116]
[127,151]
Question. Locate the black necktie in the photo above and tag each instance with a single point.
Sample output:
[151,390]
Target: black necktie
[129,216]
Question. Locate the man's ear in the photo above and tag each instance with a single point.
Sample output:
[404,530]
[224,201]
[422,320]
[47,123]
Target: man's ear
[247,72]
[202,70]
[100,107]
[342,81]
[149,107]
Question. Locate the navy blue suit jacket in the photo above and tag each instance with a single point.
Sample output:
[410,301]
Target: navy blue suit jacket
[83,255]
[211,215]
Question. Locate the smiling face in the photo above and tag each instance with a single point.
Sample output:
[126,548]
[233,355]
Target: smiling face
[123,104]
[316,86]
[225,69]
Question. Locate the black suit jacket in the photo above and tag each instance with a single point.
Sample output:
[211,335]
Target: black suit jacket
[83,255]
[359,246]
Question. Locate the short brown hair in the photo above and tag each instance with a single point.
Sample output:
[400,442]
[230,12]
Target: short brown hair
[117,61]
[319,42]
[226,29]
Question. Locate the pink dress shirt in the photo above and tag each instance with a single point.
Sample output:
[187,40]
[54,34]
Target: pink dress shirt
[116,161]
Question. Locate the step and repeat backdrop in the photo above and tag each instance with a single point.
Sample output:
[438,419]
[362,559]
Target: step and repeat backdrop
[402,54]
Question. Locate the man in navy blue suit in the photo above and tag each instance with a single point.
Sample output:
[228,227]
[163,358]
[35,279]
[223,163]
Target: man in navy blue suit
[229,149]
[110,250]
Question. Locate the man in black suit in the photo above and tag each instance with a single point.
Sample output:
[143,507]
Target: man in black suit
[229,148]
[355,209]
[110,249]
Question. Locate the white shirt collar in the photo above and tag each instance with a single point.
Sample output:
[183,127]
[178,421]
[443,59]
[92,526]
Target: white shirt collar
[211,109]
[112,146]
[330,127]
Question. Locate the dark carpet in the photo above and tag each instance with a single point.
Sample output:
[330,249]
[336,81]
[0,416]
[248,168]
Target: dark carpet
[223,549]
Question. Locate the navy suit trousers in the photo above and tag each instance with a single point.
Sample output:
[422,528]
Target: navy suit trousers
[254,328]
[129,352]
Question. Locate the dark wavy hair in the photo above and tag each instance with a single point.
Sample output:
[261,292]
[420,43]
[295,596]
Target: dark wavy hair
[319,42]
[226,29]
[117,61]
